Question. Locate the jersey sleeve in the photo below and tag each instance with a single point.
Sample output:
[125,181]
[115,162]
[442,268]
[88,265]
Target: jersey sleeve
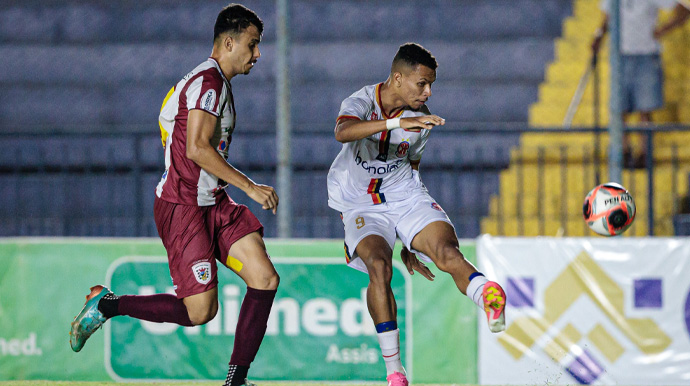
[204,94]
[354,107]
[416,150]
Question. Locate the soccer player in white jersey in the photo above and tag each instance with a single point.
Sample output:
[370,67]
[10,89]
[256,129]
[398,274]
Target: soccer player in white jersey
[374,183]
[197,221]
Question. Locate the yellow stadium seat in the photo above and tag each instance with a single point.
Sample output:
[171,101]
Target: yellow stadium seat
[543,190]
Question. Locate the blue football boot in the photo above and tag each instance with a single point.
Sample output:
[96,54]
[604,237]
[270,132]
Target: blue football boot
[89,319]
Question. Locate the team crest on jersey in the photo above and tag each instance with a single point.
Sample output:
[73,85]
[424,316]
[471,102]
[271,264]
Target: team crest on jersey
[202,272]
[403,148]
[436,206]
[374,116]
[208,100]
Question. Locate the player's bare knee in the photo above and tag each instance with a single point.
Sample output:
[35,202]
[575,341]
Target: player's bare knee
[380,270]
[448,258]
[272,281]
[268,280]
[201,316]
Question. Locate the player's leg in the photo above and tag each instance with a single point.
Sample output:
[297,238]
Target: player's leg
[377,255]
[438,241]
[247,257]
[193,269]
[426,229]
[371,236]
[186,234]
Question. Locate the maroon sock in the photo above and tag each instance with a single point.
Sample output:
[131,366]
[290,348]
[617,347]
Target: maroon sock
[251,325]
[155,308]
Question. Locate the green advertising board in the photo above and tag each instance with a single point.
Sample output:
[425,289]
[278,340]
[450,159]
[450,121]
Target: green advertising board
[319,328]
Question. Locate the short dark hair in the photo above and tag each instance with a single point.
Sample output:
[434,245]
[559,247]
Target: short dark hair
[234,19]
[413,54]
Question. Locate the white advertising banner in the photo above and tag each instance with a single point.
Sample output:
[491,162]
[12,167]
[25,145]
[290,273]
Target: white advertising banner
[588,311]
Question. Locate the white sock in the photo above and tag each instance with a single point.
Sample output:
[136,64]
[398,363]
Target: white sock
[475,288]
[390,348]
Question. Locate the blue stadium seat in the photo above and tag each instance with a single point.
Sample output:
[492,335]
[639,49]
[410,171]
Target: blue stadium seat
[492,55]
[448,20]
[93,22]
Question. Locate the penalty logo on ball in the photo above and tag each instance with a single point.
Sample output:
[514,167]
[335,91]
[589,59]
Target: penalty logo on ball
[609,209]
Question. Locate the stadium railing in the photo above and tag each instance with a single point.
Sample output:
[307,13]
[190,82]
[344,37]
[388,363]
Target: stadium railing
[97,183]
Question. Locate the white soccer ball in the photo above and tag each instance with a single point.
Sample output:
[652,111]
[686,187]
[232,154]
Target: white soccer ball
[609,209]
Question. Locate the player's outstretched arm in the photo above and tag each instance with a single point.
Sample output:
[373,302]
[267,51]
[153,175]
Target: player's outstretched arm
[422,122]
[349,130]
[200,128]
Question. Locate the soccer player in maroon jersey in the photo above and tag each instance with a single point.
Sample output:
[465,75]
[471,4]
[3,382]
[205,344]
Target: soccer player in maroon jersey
[196,219]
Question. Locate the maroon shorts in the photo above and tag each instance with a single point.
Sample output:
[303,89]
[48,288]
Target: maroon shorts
[196,236]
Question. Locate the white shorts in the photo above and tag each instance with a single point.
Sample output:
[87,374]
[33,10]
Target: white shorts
[403,219]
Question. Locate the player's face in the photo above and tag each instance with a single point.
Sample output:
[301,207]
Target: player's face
[246,50]
[416,85]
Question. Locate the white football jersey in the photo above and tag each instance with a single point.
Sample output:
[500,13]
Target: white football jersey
[375,169]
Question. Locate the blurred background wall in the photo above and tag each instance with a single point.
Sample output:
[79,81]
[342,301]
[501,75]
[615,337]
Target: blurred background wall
[82,83]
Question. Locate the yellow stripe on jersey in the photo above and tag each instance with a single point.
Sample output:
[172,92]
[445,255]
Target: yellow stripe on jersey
[164,134]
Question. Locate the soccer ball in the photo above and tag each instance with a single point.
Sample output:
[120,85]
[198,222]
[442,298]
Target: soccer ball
[609,209]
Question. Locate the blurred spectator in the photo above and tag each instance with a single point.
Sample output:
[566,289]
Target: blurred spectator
[642,78]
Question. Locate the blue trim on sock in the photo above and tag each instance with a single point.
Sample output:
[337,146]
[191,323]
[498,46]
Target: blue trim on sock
[386,326]
[472,276]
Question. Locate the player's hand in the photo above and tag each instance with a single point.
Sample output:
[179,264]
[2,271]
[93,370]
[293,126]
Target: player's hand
[413,264]
[264,195]
[422,122]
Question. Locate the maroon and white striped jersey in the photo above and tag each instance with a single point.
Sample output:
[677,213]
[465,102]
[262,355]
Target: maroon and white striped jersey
[204,88]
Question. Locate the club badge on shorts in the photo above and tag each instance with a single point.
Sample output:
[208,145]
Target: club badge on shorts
[202,272]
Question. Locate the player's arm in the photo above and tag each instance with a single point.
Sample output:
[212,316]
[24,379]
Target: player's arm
[351,129]
[678,18]
[200,129]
